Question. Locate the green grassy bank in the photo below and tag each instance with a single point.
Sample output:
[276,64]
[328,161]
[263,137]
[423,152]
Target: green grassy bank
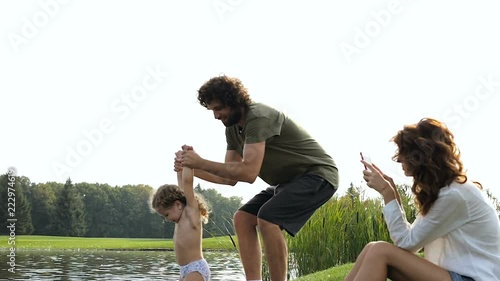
[332,274]
[33,242]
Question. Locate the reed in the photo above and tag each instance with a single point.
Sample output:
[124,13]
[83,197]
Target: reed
[338,231]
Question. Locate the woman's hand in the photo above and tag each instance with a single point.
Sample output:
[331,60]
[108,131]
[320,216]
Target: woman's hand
[379,181]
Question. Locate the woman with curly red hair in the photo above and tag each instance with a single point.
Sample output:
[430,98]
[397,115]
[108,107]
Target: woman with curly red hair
[457,226]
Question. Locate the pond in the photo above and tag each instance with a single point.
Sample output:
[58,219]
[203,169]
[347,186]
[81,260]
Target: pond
[112,265]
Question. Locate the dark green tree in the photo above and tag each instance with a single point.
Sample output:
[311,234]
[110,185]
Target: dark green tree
[97,208]
[15,204]
[23,206]
[222,210]
[70,212]
[43,206]
[133,207]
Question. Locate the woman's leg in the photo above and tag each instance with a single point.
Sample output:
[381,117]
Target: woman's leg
[383,260]
[359,262]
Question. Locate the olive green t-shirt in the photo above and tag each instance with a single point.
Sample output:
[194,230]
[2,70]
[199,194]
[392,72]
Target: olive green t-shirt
[290,151]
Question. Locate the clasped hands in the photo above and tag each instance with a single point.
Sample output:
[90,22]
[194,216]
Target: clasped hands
[186,157]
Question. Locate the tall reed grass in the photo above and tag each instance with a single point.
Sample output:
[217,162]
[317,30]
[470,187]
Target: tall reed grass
[338,231]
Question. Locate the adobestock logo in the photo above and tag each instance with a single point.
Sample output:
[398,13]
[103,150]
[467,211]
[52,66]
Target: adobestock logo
[39,19]
[486,88]
[363,36]
[121,106]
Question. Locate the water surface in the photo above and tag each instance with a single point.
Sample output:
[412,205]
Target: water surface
[112,265]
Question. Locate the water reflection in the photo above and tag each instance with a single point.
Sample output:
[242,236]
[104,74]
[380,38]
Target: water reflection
[112,265]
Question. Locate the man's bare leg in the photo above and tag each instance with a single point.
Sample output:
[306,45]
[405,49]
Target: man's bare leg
[249,244]
[276,249]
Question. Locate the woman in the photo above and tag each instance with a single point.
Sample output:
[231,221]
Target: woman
[457,225]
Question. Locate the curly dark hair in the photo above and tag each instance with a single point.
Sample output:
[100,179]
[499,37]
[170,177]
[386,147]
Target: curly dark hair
[227,90]
[429,152]
[166,195]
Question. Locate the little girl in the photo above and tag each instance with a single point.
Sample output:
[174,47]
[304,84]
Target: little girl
[188,211]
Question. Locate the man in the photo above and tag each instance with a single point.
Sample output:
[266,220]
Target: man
[263,142]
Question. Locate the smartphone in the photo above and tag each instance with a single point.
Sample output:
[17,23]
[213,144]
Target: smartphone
[366,158]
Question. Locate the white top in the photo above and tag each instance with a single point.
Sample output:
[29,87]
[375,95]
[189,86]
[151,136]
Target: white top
[461,232]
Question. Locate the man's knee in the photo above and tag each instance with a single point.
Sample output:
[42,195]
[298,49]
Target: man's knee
[242,219]
[266,225]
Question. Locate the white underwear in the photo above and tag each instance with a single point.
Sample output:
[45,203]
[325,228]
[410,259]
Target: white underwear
[200,266]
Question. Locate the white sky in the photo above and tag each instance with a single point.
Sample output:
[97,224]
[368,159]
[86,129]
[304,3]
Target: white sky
[351,72]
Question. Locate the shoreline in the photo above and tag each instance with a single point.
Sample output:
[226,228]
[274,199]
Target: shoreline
[110,249]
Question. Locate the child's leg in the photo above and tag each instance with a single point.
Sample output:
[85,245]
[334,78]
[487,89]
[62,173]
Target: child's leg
[194,276]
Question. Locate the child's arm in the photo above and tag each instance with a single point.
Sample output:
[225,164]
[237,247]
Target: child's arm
[179,172]
[185,181]
[179,179]
[187,185]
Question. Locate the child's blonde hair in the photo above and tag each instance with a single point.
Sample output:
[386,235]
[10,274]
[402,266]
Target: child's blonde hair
[167,194]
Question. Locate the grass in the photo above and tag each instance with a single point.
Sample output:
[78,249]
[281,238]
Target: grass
[33,242]
[332,274]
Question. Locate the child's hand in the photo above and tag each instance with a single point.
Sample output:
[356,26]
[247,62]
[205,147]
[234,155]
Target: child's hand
[178,155]
[177,161]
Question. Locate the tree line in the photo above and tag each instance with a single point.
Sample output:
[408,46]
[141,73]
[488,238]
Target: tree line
[98,210]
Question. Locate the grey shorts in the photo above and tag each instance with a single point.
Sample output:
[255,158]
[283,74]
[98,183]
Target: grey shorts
[200,266]
[290,205]
[457,277]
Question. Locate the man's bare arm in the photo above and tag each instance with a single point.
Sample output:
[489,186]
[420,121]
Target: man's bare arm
[231,156]
[247,169]
[213,178]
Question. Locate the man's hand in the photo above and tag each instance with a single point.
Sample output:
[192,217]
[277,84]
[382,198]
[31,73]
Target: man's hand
[187,147]
[191,159]
[178,156]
